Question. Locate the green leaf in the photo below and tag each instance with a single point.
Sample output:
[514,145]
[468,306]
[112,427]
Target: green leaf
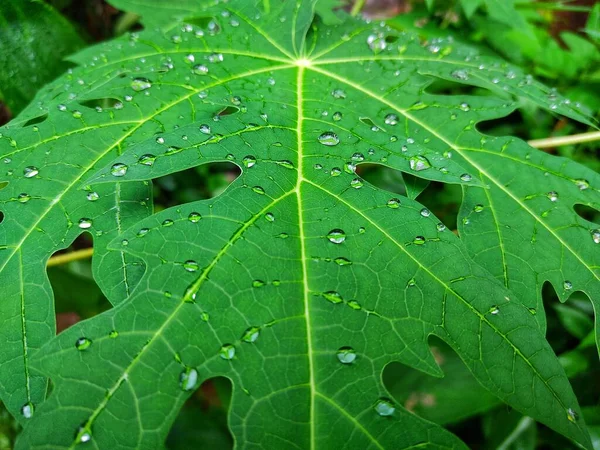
[27,61]
[300,282]
[470,6]
[504,11]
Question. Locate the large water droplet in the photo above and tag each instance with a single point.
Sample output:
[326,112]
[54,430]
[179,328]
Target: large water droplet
[30,171]
[346,355]
[119,169]
[384,407]
[23,197]
[596,236]
[85,223]
[191,266]
[227,351]
[329,138]
[251,335]
[141,84]
[419,240]
[393,203]
[336,236]
[188,379]
[249,161]
[194,217]
[83,343]
[92,196]
[419,162]
[147,159]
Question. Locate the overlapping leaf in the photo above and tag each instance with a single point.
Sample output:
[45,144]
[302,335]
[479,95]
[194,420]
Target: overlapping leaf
[300,282]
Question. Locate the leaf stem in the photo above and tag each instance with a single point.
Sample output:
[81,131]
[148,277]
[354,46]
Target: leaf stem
[559,141]
[356,8]
[65,258]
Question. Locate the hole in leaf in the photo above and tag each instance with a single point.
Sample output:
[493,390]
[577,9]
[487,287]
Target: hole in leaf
[201,22]
[36,120]
[76,294]
[1,217]
[202,182]
[202,421]
[227,111]
[100,103]
[453,398]
[587,212]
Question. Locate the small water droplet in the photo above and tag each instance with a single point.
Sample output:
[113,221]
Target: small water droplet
[258,283]
[465,107]
[460,75]
[270,217]
[329,138]
[384,407]
[119,169]
[167,223]
[393,203]
[419,240]
[425,212]
[596,236]
[27,410]
[572,415]
[83,435]
[143,232]
[582,184]
[160,140]
[418,163]
[258,190]
[346,355]
[494,310]
[188,379]
[441,227]
[204,129]
[251,335]
[147,159]
[83,343]
[30,172]
[92,196]
[338,93]
[141,84]
[336,171]
[332,296]
[354,305]
[85,223]
[356,183]
[113,334]
[227,351]
[337,116]
[552,196]
[466,177]
[23,198]
[340,261]
[391,119]
[478,208]
[191,265]
[200,69]
[62,107]
[567,285]
[336,236]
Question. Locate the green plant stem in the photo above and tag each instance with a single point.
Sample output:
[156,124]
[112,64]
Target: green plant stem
[559,141]
[357,7]
[65,258]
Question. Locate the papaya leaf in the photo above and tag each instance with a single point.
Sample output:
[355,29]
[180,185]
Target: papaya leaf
[300,282]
